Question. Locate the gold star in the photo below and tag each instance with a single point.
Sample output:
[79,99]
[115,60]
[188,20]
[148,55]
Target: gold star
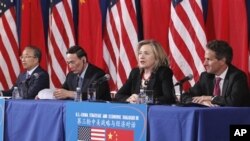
[82,1]
[110,136]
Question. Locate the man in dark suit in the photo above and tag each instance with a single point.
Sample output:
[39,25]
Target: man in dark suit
[222,83]
[34,78]
[82,74]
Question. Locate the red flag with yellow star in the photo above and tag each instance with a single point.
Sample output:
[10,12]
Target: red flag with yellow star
[32,30]
[90,30]
[119,135]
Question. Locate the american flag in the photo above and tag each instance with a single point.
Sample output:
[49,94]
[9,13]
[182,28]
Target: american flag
[187,39]
[61,37]
[9,64]
[91,134]
[120,40]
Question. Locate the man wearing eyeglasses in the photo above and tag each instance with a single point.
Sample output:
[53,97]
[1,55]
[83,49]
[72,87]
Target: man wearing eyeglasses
[34,78]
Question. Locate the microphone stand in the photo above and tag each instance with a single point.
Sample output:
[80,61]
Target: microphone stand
[180,103]
[180,89]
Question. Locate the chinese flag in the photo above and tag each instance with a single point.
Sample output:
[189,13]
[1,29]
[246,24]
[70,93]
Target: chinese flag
[155,25]
[227,20]
[119,135]
[32,32]
[90,30]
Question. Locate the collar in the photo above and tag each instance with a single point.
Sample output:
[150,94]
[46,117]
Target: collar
[223,75]
[84,71]
[32,70]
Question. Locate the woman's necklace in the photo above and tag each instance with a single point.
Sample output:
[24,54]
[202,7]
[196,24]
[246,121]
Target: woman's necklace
[145,79]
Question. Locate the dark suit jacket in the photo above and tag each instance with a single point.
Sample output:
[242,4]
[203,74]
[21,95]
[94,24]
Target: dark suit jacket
[92,74]
[235,90]
[160,81]
[38,80]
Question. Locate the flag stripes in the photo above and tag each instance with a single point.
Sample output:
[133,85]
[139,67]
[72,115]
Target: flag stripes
[91,134]
[113,46]
[9,64]
[120,40]
[61,37]
[187,38]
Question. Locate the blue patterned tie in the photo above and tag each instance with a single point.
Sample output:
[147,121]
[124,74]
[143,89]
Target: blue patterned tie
[27,75]
[80,80]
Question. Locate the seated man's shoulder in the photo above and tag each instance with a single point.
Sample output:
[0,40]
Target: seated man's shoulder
[95,69]
[207,75]
[71,74]
[236,71]
[40,72]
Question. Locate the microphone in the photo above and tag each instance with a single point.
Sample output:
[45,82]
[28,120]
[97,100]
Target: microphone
[186,78]
[102,79]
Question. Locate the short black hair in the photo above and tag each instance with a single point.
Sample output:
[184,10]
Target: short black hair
[78,50]
[222,50]
[37,52]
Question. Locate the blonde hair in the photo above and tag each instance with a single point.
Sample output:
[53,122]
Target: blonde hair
[159,52]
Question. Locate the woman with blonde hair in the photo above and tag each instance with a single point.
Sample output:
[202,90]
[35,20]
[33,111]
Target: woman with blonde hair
[152,73]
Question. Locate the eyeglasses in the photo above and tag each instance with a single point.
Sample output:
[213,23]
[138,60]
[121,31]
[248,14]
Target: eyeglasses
[26,57]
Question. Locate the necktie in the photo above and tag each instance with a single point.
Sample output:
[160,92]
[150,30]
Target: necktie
[80,80]
[217,86]
[27,76]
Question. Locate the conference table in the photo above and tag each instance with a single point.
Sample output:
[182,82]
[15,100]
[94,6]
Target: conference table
[44,120]
[195,123]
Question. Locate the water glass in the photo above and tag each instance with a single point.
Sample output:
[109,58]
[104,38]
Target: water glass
[91,94]
[149,96]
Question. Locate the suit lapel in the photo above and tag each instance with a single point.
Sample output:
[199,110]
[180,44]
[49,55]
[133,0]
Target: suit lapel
[86,79]
[75,81]
[23,77]
[225,86]
[209,83]
[226,82]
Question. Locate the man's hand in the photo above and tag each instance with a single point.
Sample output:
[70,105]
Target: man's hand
[204,100]
[209,104]
[133,98]
[200,99]
[63,94]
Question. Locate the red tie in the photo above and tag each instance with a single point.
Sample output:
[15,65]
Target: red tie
[217,86]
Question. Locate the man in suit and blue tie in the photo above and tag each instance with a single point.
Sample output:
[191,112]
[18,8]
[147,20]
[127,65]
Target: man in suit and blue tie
[82,74]
[34,78]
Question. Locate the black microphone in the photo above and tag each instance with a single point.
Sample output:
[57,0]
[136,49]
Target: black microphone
[186,78]
[102,79]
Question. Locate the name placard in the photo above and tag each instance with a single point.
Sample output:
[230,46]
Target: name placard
[105,121]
